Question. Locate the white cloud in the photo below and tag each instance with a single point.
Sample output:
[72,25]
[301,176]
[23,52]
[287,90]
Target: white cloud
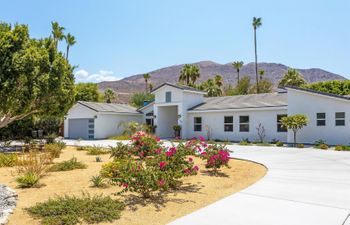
[102,75]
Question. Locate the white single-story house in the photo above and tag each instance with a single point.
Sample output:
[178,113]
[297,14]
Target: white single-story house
[226,118]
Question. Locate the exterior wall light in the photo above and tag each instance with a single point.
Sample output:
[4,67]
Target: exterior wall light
[95,116]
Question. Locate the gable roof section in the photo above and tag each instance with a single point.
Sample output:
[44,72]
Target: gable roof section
[344,97]
[181,87]
[109,107]
[242,102]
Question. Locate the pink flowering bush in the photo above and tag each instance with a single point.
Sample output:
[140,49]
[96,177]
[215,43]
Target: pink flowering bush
[144,144]
[193,146]
[216,156]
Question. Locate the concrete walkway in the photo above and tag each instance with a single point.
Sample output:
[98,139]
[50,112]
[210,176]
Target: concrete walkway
[302,187]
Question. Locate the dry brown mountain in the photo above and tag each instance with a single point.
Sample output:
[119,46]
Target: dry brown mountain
[273,71]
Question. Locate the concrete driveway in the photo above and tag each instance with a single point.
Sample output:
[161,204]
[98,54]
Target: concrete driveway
[302,187]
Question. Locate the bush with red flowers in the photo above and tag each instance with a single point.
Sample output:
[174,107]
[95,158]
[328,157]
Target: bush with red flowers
[194,146]
[216,156]
[144,144]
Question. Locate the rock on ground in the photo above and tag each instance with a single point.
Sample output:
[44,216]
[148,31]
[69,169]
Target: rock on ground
[8,198]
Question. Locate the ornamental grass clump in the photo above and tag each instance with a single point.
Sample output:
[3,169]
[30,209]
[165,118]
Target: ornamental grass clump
[71,164]
[216,156]
[8,159]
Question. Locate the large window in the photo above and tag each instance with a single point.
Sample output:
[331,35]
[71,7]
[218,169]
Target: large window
[168,96]
[321,119]
[280,127]
[340,118]
[197,123]
[244,123]
[228,123]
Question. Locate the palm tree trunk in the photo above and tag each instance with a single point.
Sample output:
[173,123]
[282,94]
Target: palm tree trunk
[146,86]
[256,63]
[238,77]
[295,138]
[67,52]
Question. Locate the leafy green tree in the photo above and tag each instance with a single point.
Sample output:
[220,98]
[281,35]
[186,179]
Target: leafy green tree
[294,123]
[265,86]
[261,74]
[87,92]
[138,98]
[256,24]
[70,41]
[337,87]
[189,74]
[292,78]
[146,76]
[109,95]
[237,65]
[35,78]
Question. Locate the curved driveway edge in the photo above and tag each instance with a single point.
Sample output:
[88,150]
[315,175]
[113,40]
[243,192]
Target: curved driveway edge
[301,187]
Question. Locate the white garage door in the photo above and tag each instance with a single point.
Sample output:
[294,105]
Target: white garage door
[81,128]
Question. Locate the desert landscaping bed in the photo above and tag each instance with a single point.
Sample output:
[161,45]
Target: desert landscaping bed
[195,193]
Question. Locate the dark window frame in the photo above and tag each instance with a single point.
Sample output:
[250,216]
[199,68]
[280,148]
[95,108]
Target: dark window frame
[228,125]
[244,124]
[340,120]
[168,96]
[197,124]
[280,127]
[321,119]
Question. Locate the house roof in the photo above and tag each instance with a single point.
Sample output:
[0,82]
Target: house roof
[178,86]
[346,97]
[242,102]
[109,107]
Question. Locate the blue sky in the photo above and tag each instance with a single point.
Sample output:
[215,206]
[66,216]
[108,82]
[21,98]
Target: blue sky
[118,38]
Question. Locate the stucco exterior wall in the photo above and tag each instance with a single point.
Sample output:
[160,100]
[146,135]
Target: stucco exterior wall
[215,121]
[166,119]
[107,125]
[300,102]
[176,94]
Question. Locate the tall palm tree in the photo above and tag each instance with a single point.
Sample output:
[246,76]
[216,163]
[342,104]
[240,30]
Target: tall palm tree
[261,74]
[218,80]
[237,65]
[189,74]
[70,40]
[212,88]
[57,32]
[146,76]
[256,24]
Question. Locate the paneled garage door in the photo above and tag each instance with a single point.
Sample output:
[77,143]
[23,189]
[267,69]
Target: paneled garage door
[81,128]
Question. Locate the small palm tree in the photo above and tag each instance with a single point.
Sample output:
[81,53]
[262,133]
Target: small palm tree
[256,24]
[146,76]
[261,74]
[218,80]
[189,74]
[70,40]
[150,87]
[237,65]
[57,32]
[212,88]
[109,95]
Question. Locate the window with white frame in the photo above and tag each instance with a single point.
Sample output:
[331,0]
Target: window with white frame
[228,123]
[244,124]
[168,96]
[197,124]
[280,127]
[340,118]
[321,119]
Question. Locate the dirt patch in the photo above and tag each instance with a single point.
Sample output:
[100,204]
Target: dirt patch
[196,192]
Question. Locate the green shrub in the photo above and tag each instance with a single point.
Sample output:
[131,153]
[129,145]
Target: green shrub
[8,159]
[28,180]
[71,164]
[53,149]
[300,145]
[120,137]
[244,143]
[323,146]
[61,144]
[120,151]
[70,210]
[279,144]
[97,151]
[342,148]
[97,181]
[98,159]
[319,142]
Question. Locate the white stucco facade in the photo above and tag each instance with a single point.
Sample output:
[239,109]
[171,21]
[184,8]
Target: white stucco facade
[176,105]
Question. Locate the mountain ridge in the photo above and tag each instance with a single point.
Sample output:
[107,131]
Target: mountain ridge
[273,71]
